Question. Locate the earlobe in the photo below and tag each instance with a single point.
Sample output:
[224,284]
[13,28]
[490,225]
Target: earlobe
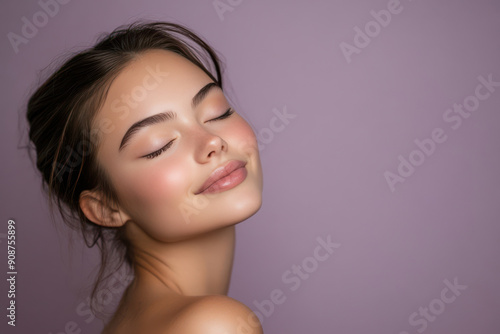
[99,212]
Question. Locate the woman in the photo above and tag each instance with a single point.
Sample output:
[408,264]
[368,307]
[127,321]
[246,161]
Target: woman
[140,149]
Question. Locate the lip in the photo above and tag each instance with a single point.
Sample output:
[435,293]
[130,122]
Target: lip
[223,171]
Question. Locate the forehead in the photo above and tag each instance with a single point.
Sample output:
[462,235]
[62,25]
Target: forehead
[154,68]
[154,81]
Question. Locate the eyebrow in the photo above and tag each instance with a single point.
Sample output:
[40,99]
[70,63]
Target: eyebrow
[167,115]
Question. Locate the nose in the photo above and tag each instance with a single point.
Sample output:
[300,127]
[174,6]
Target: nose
[209,146]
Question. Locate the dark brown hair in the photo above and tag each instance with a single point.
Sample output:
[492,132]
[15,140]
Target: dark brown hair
[60,114]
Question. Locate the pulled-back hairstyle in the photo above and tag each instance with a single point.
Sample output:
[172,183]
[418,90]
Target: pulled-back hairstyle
[60,114]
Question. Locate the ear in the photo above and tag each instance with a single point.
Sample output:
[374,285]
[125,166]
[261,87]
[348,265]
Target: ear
[97,211]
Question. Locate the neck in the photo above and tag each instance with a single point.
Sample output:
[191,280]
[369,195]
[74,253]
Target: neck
[198,266]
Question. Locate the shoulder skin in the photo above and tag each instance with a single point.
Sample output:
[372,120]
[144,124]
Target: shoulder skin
[214,314]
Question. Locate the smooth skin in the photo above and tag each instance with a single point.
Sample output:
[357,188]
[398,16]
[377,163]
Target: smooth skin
[182,242]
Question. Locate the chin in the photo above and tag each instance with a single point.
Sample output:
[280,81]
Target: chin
[233,207]
[248,207]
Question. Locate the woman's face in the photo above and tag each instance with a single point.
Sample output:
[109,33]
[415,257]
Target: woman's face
[158,163]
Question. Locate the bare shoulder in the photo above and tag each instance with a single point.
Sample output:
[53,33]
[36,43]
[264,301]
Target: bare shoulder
[187,315]
[214,314]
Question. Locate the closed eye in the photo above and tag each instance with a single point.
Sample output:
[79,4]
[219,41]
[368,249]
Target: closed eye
[160,151]
[156,153]
[228,113]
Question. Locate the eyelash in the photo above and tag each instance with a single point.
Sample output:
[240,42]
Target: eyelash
[154,154]
[228,113]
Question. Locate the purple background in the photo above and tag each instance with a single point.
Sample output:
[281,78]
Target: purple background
[323,171]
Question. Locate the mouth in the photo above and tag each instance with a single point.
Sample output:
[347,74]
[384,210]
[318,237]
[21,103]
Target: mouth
[224,177]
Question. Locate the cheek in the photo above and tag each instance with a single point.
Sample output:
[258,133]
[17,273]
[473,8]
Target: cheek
[155,187]
[243,135]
